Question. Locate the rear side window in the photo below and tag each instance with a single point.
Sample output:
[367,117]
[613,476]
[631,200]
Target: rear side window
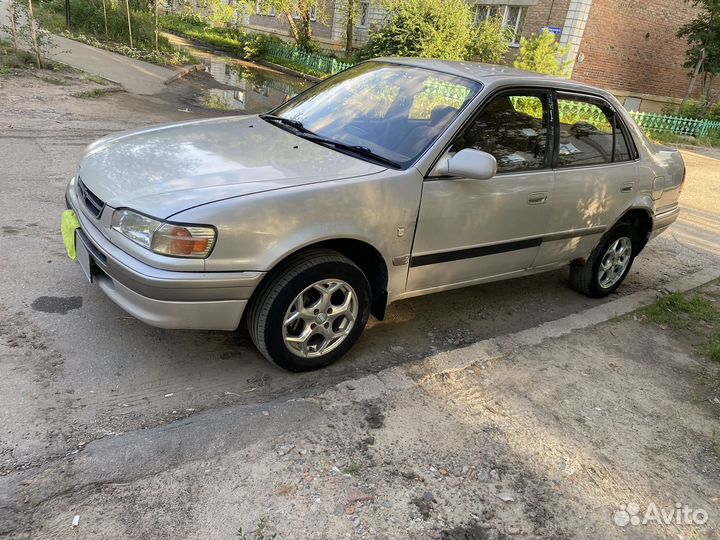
[590,133]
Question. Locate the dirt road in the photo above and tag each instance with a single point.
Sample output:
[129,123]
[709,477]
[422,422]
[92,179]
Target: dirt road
[76,369]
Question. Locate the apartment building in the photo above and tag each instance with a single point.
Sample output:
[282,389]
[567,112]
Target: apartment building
[626,46]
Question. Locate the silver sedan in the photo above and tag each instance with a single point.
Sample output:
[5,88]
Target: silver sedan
[393,179]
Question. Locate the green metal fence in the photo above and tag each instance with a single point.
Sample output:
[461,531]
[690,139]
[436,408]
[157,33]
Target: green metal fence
[317,62]
[649,122]
[675,124]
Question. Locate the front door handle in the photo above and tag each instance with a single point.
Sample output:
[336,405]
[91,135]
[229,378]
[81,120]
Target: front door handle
[540,197]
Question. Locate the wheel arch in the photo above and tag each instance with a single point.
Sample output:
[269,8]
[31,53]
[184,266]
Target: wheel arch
[641,220]
[364,255]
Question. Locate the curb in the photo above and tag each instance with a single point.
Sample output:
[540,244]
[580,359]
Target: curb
[184,72]
[397,378]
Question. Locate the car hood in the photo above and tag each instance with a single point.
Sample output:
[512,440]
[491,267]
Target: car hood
[165,169]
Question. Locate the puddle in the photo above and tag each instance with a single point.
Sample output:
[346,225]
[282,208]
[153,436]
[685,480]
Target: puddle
[247,89]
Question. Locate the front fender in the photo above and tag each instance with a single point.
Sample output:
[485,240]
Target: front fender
[256,232]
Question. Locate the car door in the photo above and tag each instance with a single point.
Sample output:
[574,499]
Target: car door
[472,230]
[595,176]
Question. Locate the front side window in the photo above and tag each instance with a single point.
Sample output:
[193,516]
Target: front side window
[394,111]
[514,129]
[590,132]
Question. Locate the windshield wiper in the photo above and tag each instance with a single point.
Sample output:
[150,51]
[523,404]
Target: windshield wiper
[305,133]
[287,121]
[360,150]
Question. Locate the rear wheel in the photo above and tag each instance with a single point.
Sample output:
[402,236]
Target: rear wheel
[311,311]
[608,264]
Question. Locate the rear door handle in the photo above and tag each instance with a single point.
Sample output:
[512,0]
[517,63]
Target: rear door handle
[540,197]
[627,187]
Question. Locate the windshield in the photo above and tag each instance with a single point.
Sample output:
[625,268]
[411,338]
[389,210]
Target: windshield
[388,110]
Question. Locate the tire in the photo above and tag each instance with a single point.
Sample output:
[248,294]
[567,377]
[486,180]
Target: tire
[335,298]
[589,279]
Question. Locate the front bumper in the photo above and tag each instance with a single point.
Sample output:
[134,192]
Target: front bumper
[163,298]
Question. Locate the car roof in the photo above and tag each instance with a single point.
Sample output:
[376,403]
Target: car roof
[486,72]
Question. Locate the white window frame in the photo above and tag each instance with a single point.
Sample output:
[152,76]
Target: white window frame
[313,13]
[514,26]
[483,12]
[364,20]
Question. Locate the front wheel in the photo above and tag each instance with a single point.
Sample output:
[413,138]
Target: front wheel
[608,264]
[311,311]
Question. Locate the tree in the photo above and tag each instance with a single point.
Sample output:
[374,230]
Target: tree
[703,38]
[12,14]
[350,12]
[215,12]
[25,27]
[34,34]
[543,54]
[300,15]
[429,29]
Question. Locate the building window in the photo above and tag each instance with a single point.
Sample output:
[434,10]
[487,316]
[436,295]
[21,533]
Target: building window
[313,14]
[260,11]
[364,18]
[511,16]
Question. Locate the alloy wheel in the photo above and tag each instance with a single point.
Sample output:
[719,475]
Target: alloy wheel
[320,318]
[614,262]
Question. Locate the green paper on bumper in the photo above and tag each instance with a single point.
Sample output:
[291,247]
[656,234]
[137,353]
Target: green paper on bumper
[68,225]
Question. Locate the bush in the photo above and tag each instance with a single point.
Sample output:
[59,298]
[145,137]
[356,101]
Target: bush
[427,29]
[543,54]
[490,41]
[241,44]
[693,109]
[231,40]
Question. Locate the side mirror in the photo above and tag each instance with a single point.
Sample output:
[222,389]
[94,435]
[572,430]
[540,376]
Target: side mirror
[469,163]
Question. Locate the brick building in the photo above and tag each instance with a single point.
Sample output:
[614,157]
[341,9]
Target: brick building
[626,46]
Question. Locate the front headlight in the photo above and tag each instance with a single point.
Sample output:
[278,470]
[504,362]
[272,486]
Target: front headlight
[194,241]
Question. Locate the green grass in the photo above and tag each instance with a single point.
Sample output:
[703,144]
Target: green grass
[54,80]
[678,311]
[9,60]
[697,314]
[232,40]
[88,26]
[261,532]
[715,445]
[711,347]
[351,468]
[90,94]
[712,140]
[95,78]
